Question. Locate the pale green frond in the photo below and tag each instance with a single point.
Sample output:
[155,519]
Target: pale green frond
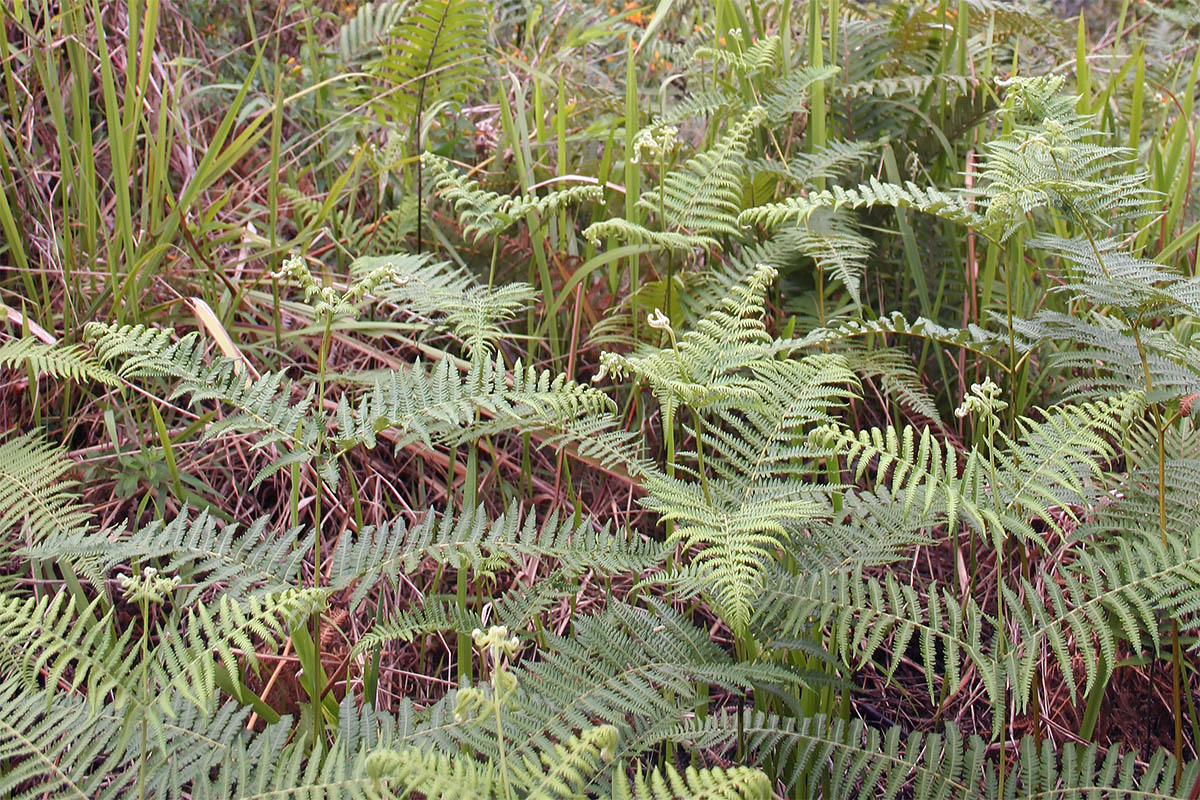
[204,553]
[932,201]
[56,361]
[483,213]
[704,195]
[734,783]
[35,498]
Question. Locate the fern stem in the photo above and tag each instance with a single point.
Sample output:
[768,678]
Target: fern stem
[492,267]
[318,483]
[145,604]
[700,455]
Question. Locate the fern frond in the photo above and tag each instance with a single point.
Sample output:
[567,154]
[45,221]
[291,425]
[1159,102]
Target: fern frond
[45,639]
[636,669]
[217,629]
[735,783]
[56,361]
[704,195]
[566,768]
[910,85]
[441,290]
[58,751]
[762,55]
[435,53]
[441,405]
[472,541]
[368,30]
[935,202]
[840,759]
[973,339]
[1106,358]
[623,230]
[33,494]
[862,613]
[791,95]
[1109,276]
[835,160]
[204,554]
[483,213]
[266,406]
[835,247]
[435,775]
[893,371]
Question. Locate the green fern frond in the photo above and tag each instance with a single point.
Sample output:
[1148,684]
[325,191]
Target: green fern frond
[435,53]
[440,290]
[59,751]
[791,95]
[735,783]
[368,30]
[56,361]
[907,85]
[1106,275]
[835,160]
[1106,358]
[704,195]
[483,213]
[835,247]
[636,669]
[435,775]
[746,60]
[861,614]
[623,230]
[698,105]
[45,639]
[441,405]
[226,632]
[64,751]
[206,555]
[935,202]
[974,339]
[709,364]
[472,541]
[566,768]
[49,638]
[848,759]
[146,351]
[34,497]
[733,523]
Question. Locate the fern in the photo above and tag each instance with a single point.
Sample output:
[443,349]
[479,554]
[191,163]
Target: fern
[868,195]
[52,636]
[33,494]
[482,213]
[762,55]
[439,290]
[849,759]
[735,520]
[203,553]
[471,541]
[368,30]
[696,784]
[636,669]
[56,361]
[434,54]
[697,201]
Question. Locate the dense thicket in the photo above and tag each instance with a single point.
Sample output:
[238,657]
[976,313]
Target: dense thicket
[547,399]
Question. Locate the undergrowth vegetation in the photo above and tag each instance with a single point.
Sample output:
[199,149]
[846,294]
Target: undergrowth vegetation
[548,399]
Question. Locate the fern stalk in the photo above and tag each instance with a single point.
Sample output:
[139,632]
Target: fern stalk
[318,482]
